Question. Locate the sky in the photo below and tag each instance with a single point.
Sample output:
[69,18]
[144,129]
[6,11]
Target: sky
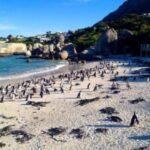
[32,17]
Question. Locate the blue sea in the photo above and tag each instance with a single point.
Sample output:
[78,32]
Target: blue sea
[14,67]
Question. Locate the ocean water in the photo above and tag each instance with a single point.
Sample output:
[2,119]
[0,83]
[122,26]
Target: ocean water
[14,67]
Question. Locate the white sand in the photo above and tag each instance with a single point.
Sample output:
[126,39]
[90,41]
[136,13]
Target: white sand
[62,111]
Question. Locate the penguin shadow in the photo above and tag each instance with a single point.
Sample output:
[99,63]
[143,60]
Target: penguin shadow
[109,126]
[140,137]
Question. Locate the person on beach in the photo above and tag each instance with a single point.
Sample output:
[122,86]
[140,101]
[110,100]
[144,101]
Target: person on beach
[134,120]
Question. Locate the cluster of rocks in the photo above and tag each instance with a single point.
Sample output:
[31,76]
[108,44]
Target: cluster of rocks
[113,42]
[52,50]
[109,42]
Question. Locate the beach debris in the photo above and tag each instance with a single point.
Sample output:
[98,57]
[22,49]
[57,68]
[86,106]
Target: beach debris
[86,101]
[134,120]
[37,104]
[109,111]
[101,130]
[5,130]
[114,119]
[136,101]
[2,144]
[78,133]
[21,136]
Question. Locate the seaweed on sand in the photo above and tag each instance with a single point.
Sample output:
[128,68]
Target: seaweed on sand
[87,101]
[114,119]
[5,130]
[2,144]
[108,110]
[78,133]
[101,130]
[55,132]
[136,101]
[21,136]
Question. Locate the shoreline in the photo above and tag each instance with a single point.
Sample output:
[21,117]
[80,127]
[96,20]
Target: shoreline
[66,68]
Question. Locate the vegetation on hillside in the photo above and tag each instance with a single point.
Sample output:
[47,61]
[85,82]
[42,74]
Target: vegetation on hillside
[139,25]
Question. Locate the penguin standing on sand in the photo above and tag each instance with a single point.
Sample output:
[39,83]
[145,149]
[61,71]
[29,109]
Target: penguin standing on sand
[70,87]
[28,97]
[95,88]
[2,99]
[88,86]
[41,94]
[134,120]
[61,89]
[79,94]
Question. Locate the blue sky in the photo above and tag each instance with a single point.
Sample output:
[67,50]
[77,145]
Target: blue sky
[32,17]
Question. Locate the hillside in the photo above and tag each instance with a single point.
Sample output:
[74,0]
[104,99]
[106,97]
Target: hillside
[129,7]
[131,19]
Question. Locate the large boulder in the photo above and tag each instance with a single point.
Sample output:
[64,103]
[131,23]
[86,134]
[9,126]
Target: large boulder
[63,55]
[12,48]
[107,43]
[51,47]
[29,47]
[125,41]
[70,49]
[125,34]
[87,54]
[61,39]
[37,46]
[46,49]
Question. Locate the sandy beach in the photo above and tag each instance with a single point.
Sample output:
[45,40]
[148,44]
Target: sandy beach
[82,126]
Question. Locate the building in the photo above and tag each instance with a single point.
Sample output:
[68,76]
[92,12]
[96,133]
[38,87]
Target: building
[145,50]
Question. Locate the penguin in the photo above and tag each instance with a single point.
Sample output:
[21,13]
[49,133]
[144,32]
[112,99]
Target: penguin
[134,120]
[79,94]
[88,86]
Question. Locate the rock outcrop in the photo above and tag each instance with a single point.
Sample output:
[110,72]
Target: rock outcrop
[12,48]
[107,43]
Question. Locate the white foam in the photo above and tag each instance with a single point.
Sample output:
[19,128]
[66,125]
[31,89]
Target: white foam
[32,73]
